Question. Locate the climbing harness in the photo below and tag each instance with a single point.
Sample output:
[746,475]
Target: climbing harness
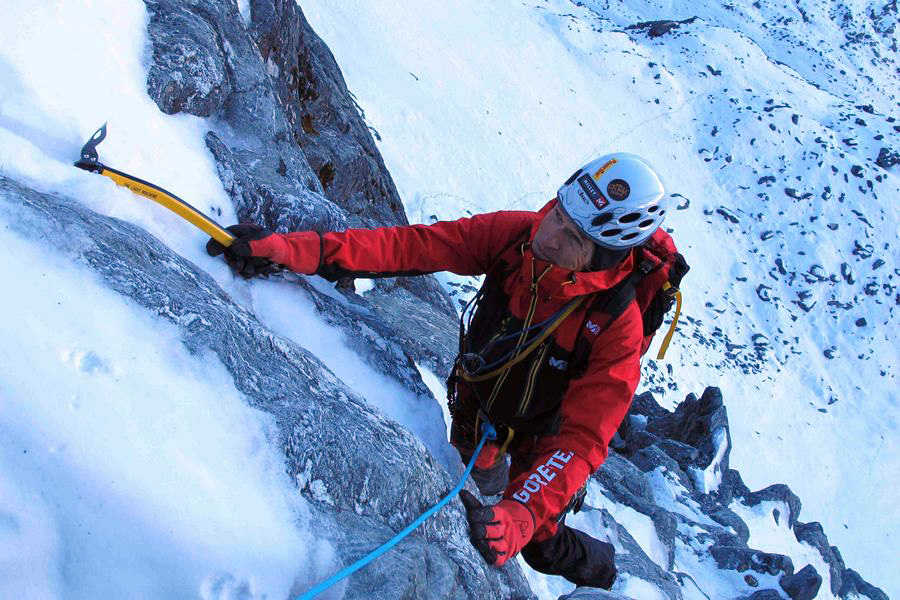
[487,433]
[90,162]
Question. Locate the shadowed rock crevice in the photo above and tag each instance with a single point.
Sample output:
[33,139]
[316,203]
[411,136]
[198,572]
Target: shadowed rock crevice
[327,123]
[325,119]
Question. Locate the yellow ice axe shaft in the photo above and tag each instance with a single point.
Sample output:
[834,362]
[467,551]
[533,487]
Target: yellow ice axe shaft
[170,201]
[89,162]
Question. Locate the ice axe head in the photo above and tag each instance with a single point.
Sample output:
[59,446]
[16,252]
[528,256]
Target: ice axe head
[90,161]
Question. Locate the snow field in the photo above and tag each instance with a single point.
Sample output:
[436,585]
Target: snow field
[125,457]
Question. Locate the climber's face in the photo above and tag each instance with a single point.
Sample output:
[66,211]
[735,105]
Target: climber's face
[559,241]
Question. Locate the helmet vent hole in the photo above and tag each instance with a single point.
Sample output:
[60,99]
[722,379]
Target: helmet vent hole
[653,209]
[610,232]
[572,178]
[629,236]
[662,212]
[645,224]
[602,219]
[630,218]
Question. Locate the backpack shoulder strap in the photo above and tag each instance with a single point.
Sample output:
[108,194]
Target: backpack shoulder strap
[505,263]
[612,303]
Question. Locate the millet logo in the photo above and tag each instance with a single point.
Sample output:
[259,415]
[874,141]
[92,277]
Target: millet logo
[592,327]
[593,192]
[558,363]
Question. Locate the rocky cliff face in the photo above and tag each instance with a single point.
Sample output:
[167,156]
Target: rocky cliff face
[294,153]
[689,448]
[292,149]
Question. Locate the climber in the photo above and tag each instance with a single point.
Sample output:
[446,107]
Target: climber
[551,354]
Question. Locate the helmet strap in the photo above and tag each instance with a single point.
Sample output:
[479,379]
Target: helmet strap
[606,258]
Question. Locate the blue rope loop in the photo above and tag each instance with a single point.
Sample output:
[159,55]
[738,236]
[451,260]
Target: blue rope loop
[487,433]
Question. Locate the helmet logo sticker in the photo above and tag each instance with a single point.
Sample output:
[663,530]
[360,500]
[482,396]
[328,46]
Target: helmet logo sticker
[618,189]
[604,168]
[593,192]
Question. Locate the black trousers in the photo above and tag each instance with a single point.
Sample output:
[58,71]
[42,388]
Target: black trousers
[574,555]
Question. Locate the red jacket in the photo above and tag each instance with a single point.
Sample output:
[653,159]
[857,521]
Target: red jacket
[594,404]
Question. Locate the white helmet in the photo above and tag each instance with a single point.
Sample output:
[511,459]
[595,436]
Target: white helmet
[615,199]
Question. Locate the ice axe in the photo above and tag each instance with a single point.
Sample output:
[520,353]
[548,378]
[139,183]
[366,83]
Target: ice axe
[90,162]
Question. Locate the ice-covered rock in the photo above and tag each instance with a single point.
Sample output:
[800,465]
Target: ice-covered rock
[323,426]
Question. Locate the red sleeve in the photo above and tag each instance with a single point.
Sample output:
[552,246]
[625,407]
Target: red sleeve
[592,409]
[466,247]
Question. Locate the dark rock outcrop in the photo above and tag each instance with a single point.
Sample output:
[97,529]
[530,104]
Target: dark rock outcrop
[814,535]
[887,158]
[327,124]
[764,595]
[256,141]
[853,583]
[802,585]
[264,171]
[680,445]
[741,559]
[325,120]
[659,28]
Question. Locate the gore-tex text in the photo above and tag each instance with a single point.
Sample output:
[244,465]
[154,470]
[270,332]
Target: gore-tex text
[543,475]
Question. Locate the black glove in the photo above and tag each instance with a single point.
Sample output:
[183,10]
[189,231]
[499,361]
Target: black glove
[239,256]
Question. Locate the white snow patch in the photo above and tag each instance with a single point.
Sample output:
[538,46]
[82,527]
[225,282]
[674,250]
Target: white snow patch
[638,525]
[125,457]
[672,496]
[708,479]
[244,8]
[363,285]
[635,587]
[437,387]
[775,535]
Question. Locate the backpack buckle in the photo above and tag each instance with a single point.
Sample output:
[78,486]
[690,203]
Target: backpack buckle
[645,266]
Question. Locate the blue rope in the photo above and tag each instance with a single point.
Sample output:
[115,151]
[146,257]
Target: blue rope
[488,432]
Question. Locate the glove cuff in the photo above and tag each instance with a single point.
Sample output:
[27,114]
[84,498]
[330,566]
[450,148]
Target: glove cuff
[300,251]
